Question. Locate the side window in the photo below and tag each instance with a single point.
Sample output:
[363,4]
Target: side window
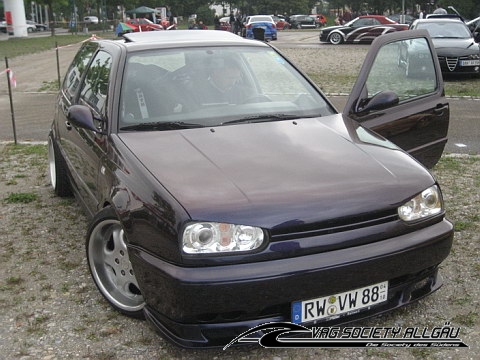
[95,87]
[405,67]
[77,69]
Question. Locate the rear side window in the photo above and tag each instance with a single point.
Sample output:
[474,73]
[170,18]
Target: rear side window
[76,70]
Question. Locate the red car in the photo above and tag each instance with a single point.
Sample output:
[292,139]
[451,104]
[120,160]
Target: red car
[363,29]
[225,24]
[281,23]
[142,24]
[320,20]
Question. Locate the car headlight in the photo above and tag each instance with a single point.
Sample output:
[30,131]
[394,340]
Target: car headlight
[211,238]
[428,203]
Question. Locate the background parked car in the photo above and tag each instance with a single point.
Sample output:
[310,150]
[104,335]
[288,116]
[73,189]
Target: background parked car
[302,22]
[90,20]
[30,27]
[225,23]
[320,20]
[143,24]
[363,29]
[396,17]
[38,27]
[264,22]
[281,23]
[457,51]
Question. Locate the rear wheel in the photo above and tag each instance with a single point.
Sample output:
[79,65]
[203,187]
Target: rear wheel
[335,39]
[110,266]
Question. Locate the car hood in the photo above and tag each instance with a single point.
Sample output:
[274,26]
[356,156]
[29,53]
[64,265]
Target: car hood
[455,47]
[268,174]
[335,27]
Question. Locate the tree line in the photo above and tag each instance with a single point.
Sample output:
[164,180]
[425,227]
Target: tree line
[64,8]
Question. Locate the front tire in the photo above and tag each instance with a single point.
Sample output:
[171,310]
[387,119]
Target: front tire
[58,170]
[110,266]
[335,39]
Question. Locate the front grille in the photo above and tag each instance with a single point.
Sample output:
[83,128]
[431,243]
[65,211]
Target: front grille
[334,226]
[450,62]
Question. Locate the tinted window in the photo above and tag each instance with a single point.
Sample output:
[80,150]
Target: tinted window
[77,69]
[95,88]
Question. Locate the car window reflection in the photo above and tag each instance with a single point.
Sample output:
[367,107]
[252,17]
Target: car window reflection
[213,86]
[405,67]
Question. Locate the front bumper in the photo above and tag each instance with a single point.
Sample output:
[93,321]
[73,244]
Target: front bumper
[209,306]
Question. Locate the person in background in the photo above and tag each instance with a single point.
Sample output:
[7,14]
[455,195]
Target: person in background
[232,21]
[171,21]
[422,14]
[440,10]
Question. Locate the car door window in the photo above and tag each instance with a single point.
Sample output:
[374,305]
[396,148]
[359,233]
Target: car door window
[76,70]
[410,68]
[95,87]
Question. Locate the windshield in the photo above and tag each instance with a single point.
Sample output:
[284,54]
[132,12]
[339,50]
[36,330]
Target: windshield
[197,87]
[450,29]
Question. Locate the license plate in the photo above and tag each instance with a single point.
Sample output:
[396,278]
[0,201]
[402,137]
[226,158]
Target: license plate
[343,304]
[469,62]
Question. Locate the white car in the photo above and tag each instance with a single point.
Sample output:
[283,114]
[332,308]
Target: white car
[4,27]
[90,20]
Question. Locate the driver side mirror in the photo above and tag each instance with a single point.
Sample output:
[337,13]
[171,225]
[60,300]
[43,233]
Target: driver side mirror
[81,116]
[380,101]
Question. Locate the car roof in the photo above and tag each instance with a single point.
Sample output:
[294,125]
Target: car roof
[439,20]
[185,38]
[444,16]
[372,16]
[260,16]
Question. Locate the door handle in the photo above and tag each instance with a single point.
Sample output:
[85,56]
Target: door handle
[440,109]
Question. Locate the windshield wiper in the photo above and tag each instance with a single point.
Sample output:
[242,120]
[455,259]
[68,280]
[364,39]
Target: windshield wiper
[263,118]
[161,125]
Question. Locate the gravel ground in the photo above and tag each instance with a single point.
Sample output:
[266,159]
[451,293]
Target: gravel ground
[52,310]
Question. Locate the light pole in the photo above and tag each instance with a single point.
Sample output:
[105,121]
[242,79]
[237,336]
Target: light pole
[402,17]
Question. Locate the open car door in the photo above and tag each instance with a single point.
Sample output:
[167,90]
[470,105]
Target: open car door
[400,95]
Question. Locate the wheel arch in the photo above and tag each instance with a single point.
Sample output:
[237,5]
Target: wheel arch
[342,35]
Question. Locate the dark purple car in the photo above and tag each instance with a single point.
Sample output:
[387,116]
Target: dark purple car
[218,203]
